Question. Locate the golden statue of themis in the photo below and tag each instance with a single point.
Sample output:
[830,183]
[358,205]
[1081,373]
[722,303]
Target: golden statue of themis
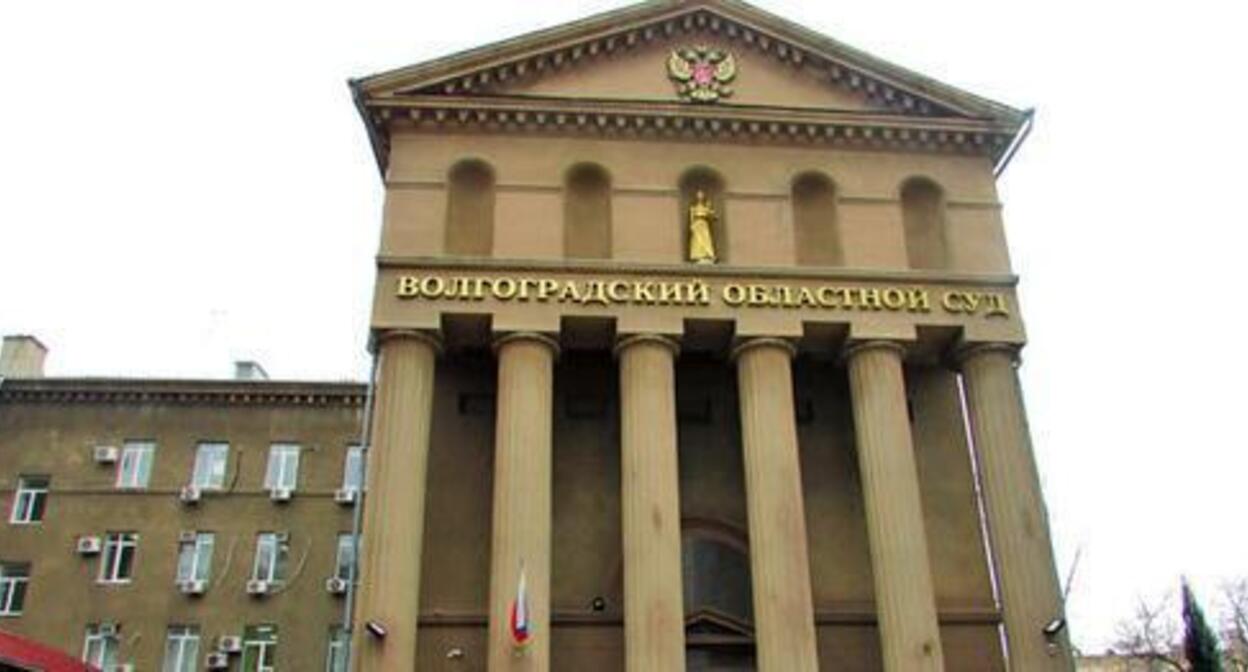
[701,243]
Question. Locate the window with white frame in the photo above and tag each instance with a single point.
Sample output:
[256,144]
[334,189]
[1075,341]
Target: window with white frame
[353,469]
[135,467]
[210,462]
[339,643]
[181,649]
[259,648]
[14,578]
[283,471]
[100,646]
[346,556]
[195,557]
[272,548]
[117,561]
[30,499]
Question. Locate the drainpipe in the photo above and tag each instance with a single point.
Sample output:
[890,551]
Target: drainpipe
[357,513]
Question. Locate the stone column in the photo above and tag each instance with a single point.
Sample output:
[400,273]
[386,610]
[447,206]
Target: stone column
[905,600]
[654,629]
[784,619]
[1018,525]
[522,497]
[394,504]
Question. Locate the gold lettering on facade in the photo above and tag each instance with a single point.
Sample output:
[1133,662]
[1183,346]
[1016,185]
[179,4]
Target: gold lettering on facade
[607,292]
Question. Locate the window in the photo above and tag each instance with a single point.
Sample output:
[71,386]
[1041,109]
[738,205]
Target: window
[353,469]
[30,499]
[339,645]
[346,556]
[135,467]
[195,557]
[181,649]
[117,563]
[283,471]
[100,646]
[260,648]
[13,580]
[271,551]
[210,461]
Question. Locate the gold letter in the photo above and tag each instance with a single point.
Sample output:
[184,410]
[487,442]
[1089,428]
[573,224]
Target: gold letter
[409,287]
[504,289]
[669,292]
[734,295]
[617,290]
[698,293]
[894,299]
[432,288]
[595,291]
[920,302]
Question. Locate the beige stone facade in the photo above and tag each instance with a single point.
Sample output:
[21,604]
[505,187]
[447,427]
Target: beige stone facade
[783,460]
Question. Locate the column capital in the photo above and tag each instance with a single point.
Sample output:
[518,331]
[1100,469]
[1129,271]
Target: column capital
[382,336]
[853,348]
[763,342]
[533,336]
[965,351]
[625,342]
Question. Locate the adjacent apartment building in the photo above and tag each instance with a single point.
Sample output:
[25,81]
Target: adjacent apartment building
[695,340]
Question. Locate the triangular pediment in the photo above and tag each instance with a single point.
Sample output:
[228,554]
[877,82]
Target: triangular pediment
[623,56]
[610,74]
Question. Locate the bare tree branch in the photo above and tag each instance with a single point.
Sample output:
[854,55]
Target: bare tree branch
[1152,634]
[1235,624]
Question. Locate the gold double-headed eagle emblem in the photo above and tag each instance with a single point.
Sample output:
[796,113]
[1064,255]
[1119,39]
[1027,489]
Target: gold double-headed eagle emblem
[702,74]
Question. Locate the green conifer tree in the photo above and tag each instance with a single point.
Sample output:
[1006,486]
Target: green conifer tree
[1199,643]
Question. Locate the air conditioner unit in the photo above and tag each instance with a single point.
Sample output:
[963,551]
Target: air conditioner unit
[281,494]
[193,587]
[105,454]
[335,585]
[257,587]
[89,545]
[345,495]
[229,644]
[282,537]
[190,494]
[217,661]
[187,536]
[106,629]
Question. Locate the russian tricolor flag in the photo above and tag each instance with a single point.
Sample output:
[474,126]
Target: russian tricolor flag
[521,628]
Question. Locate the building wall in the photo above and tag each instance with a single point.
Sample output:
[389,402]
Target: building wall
[647,223]
[55,438]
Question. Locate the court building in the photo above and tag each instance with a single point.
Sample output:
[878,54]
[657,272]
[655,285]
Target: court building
[695,340]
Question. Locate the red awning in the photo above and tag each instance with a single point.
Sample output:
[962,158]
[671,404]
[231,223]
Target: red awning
[25,654]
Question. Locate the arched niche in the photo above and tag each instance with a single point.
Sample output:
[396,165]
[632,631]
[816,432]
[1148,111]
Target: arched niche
[711,183]
[817,236]
[923,216]
[587,213]
[470,209]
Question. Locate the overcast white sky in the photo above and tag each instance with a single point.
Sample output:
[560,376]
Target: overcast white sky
[149,178]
